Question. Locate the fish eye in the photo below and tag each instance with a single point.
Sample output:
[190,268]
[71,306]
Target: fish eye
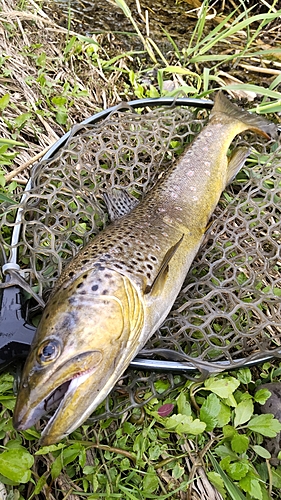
[48,351]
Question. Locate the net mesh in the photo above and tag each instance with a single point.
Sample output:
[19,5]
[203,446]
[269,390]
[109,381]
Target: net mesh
[228,310]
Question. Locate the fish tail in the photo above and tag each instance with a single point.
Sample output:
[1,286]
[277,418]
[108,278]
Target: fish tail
[253,122]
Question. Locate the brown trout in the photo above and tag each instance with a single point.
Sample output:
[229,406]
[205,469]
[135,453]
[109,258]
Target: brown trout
[120,287]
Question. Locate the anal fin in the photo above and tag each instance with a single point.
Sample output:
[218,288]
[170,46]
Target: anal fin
[236,162]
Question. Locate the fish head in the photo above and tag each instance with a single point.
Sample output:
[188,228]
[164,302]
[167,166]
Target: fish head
[88,334]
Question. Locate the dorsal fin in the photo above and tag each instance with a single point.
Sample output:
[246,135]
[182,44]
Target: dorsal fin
[163,270]
[119,203]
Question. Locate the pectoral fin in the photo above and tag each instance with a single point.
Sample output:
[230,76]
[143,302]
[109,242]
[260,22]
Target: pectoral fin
[161,276]
[119,203]
[236,162]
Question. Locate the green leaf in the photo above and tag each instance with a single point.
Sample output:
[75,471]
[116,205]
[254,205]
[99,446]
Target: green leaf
[261,451]
[161,385]
[183,405]
[22,119]
[39,484]
[56,467]
[185,424]
[229,431]
[243,412]
[209,411]
[266,425]
[4,101]
[224,451]
[129,428]
[244,375]
[239,443]
[41,59]
[61,117]
[59,101]
[261,396]
[237,470]
[70,44]
[70,453]
[150,481]
[217,482]
[178,471]
[230,401]
[276,477]
[251,485]
[223,387]
[224,415]
[15,465]
[49,449]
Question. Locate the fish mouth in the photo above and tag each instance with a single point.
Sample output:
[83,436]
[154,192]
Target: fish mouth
[53,401]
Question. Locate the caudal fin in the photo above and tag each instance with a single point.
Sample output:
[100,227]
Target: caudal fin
[252,121]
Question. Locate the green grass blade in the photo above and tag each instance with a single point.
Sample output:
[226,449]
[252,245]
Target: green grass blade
[228,58]
[111,62]
[126,10]
[234,492]
[238,27]
[275,82]
[206,79]
[255,88]
[173,43]
[218,28]
[262,24]
[11,142]
[5,198]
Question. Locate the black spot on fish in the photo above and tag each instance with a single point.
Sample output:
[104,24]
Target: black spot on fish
[153,258]
[85,261]
[80,285]
[149,266]
[95,288]
[85,276]
[71,274]
[108,275]
[83,292]
[105,292]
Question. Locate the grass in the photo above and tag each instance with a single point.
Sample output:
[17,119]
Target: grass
[197,434]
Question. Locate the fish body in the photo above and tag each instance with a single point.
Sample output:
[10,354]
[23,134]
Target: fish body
[119,288]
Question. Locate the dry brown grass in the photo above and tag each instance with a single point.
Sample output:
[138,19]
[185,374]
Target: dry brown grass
[24,35]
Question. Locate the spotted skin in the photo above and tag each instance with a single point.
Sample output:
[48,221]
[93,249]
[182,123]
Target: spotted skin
[118,290]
